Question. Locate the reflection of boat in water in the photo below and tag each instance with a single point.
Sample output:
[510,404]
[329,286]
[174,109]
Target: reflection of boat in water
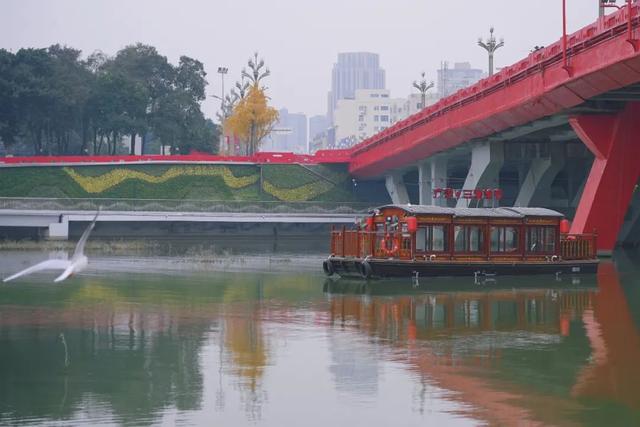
[419,241]
[399,286]
[556,347]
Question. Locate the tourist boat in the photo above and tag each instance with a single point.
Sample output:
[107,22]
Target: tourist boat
[418,241]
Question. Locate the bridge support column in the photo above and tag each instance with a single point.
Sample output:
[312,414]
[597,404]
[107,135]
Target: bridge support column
[396,188]
[615,142]
[425,186]
[439,176]
[632,220]
[486,161]
[536,187]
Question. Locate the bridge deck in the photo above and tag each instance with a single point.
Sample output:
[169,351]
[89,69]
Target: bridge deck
[601,59]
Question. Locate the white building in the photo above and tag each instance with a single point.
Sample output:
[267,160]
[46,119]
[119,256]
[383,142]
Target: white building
[371,111]
[412,104]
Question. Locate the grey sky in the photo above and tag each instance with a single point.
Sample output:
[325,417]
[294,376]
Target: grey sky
[299,39]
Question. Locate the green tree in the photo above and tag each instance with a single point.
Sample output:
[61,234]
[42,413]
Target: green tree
[70,87]
[142,64]
[57,103]
[9,123]
[115,106]
[31,83]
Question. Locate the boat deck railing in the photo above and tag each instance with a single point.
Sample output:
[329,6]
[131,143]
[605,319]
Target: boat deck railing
[361,244]
[578,246]
[401,245]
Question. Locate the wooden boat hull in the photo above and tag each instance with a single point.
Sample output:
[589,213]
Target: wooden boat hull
[382,268]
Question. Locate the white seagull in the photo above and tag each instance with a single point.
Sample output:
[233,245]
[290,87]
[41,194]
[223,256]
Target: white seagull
[70,266]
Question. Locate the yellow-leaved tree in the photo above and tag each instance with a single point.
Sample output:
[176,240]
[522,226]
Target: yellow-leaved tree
[252,119]
[246,115]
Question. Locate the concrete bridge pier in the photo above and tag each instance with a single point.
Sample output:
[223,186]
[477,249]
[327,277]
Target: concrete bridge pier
[536,186]
[614,139]
[487,159]
[632,221]
[425,184]
[432,173]
[439,174]
[396,188]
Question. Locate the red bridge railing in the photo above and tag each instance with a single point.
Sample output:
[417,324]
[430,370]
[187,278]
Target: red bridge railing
[608,27]
[322,156]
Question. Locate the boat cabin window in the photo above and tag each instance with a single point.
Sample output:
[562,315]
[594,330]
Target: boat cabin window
[432,238]
[541,239]
[468,238]
[504,239]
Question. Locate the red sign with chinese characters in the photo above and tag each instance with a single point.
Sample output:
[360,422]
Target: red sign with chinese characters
[477,194]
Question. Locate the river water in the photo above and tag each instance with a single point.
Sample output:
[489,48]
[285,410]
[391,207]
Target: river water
[264,339]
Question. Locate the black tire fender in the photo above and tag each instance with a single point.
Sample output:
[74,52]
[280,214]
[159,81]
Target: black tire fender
[365,269]
[327,266]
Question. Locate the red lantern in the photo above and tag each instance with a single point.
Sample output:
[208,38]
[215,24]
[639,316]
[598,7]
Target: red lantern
[370,223]
[565,226]
[412,224]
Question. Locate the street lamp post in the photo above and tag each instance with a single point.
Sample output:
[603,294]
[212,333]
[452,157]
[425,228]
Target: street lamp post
[222,71]
[423,87]
[491,45]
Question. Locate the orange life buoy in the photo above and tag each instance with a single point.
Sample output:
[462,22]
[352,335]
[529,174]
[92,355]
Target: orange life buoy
[390,246]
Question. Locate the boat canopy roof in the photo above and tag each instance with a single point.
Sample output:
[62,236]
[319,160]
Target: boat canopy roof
[506,212]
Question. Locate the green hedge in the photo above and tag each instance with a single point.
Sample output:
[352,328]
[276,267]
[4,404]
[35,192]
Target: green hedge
[53,181]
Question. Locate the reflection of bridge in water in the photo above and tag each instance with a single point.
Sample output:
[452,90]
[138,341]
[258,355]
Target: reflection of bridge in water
[508,353]
[530,339]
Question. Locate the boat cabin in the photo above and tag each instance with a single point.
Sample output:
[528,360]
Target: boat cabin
[434,233]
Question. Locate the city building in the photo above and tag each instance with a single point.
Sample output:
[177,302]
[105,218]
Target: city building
[317,125]
[353,71]
[367,114]
[289,133]
[322,141]
[451,80]
[412,104]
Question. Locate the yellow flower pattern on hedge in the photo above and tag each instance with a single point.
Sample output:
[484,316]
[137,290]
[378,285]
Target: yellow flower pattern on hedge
[98,184]
[299,194]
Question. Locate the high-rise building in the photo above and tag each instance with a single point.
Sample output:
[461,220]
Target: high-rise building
[353,71]
[317,125]
[451,80]
[289,133]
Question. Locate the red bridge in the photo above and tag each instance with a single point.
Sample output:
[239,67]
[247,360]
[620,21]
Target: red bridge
[584,86]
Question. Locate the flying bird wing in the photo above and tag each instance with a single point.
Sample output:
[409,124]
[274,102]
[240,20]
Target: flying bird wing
[85,236]
[66,273]
[50,264]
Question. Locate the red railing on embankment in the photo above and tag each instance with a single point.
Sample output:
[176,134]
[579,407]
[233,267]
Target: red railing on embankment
[322,156]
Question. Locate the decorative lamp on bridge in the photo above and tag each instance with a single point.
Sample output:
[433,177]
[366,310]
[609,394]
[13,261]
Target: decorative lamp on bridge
[491,45]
